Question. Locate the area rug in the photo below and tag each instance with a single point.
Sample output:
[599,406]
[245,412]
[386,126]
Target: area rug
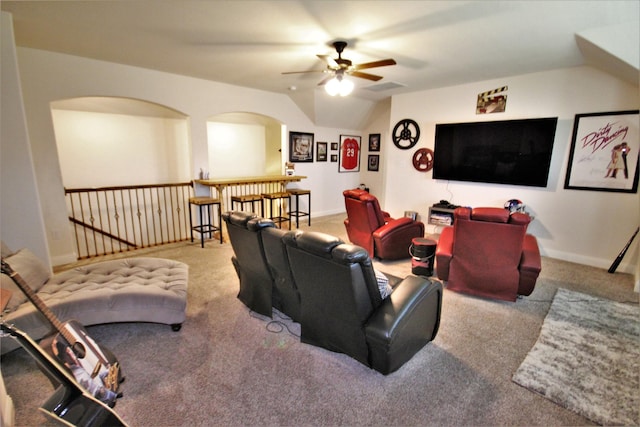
[587,358]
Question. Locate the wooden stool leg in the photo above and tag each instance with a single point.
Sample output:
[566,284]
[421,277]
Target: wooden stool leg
[201,230]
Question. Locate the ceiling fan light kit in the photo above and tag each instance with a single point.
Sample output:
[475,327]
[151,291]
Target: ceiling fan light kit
[339,86]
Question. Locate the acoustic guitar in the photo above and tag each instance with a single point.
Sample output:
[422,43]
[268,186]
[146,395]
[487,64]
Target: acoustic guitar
[70,404]
[93,366]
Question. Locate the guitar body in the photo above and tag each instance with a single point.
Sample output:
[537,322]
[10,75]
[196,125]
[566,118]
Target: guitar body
[94,368]
[70,404]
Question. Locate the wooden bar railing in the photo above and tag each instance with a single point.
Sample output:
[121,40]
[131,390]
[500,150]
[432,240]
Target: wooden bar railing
[107,220]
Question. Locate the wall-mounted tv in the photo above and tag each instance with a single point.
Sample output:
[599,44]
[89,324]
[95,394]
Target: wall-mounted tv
[515,152]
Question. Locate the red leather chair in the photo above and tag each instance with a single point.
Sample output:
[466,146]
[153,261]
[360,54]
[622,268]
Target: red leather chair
[373,229]
[488,253]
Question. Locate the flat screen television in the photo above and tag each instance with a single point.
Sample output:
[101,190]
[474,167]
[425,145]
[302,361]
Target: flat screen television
[515,152]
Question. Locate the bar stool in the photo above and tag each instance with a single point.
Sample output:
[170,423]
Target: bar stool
[204,204]
[247,198]
[297,213]
[273,198]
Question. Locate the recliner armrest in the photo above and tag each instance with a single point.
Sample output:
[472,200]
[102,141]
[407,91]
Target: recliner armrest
[530,259]
[444,253]
[392,225]
[405,321]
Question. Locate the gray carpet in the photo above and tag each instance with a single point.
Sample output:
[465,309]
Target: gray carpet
[587,358]
[226,368]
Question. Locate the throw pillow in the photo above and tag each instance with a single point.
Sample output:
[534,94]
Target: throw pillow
[34,273]
[383,284]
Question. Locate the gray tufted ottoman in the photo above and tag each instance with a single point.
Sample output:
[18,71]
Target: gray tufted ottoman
[127,290]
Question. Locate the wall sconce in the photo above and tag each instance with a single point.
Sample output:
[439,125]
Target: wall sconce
[339,86]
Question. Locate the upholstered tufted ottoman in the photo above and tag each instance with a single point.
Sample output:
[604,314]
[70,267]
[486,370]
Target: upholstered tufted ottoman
[127,290]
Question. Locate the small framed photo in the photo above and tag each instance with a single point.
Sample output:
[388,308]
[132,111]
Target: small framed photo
[349,153]
[321,152]
[334,146]
[374,142]
[373,163]
[334,158]
[604,152]
[300,147]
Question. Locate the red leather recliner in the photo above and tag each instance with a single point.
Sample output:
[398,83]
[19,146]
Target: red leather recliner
[373,229]
[488,253]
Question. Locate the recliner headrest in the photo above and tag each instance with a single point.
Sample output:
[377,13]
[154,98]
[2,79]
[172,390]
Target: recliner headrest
[238,217]
[258,223]
[490,215]
[312,241]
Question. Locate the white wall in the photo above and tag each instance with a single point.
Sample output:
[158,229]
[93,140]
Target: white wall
[236,150]
[117,149]
[21,224]
[48,76]
[587,227]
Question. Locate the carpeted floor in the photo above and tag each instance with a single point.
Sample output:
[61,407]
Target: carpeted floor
[587,358]
[227,367]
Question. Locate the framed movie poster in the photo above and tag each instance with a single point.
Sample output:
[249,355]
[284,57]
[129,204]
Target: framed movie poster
[604,152]
[300,147]
[374,162]
[374,142]
[349,153]
[321,152]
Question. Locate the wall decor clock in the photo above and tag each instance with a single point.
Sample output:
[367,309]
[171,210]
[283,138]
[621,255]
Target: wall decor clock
[406,134]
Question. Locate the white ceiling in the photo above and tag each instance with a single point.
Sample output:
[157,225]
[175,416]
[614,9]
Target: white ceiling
[251,43]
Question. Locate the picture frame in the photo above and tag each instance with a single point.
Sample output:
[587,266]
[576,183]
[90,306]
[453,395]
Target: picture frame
[321,152]
[374,142]
[604,152]
[334,158]
[300,147]
[373,163]
[349,153]
[334,146]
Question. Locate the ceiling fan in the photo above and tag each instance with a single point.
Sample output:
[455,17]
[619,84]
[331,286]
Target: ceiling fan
[339,67]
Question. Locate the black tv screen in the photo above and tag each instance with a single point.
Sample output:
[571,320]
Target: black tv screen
[515,152]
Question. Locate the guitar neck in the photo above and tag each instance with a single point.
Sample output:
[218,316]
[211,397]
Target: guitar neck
[41,306]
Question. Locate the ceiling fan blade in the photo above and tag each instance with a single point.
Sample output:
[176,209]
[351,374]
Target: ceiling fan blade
[300,72]
[325,80]
[381,63]
[365,76]
[329,60]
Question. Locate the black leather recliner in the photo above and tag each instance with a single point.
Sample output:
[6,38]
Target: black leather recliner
[341,307]
[256,284]
[262,266]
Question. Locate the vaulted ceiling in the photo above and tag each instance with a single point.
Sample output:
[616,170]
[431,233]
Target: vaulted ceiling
[251,43]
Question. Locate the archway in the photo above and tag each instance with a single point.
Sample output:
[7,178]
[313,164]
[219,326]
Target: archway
[245,144]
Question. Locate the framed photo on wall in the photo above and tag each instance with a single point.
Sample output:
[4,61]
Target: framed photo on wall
[334,158]
[374,142]
[349,153]
[334,146]
[300,147]
[321,152]
[374,162]
[604,152]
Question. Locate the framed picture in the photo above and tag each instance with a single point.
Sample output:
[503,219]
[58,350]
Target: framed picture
[300,147]
[334,146]
[374,162]
[334,158]
[374,142]
[349,153]
[321,152]
[604,152]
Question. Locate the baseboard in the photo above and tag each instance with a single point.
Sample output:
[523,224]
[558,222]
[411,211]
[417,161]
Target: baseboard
[624,267]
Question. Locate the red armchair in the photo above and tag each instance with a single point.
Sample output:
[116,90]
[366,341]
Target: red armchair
[488,253]
[373,229]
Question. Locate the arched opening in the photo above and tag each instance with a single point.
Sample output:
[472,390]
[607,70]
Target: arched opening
[244,144]
[110,141]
